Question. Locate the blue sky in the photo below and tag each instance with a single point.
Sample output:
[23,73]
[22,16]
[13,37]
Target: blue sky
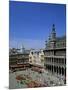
[31,23]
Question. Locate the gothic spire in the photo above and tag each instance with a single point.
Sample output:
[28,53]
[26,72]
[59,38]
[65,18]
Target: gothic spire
[53,33]
[53,28]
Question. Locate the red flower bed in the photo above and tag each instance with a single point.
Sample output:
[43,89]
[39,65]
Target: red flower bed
[20,78]
[33,84]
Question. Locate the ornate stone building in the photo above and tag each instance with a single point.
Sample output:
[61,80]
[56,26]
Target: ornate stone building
[36,57]
[55,54]
[18,60]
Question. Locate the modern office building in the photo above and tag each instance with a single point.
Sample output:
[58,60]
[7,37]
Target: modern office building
[55,54]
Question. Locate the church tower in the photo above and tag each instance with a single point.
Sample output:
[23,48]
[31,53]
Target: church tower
[22,48]
[53,33]
[53,37]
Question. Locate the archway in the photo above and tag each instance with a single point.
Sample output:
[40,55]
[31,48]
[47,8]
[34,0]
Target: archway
[63,71]
[54,68]
[57,69]
[60,70]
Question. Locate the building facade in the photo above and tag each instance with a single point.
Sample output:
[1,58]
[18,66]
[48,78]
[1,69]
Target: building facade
[18,60]
[55,54]
[36,57]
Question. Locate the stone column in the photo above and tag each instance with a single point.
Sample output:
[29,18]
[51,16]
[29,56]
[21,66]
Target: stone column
[53,65]
[64,61]
[61,71]
[65,72]
[57,70]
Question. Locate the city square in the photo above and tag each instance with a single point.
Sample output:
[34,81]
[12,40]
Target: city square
[37,45]
[45,79]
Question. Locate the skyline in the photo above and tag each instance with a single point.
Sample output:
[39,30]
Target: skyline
[31,23]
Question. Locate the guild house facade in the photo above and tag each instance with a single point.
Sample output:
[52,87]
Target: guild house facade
[36,57]
[55,54]
[18,59]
